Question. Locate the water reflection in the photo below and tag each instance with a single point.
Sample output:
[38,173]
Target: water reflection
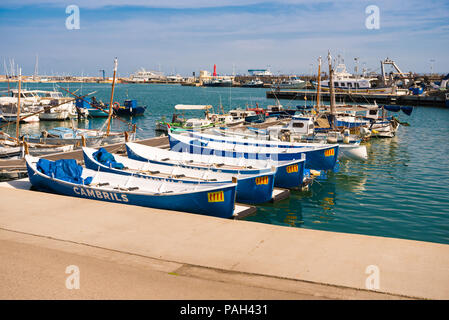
[285,213]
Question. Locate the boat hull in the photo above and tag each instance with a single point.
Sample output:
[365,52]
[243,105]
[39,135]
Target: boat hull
[196,202]
[130,112]
[54,116]
[324,158]
[284,177]
[353,152]
[251,190]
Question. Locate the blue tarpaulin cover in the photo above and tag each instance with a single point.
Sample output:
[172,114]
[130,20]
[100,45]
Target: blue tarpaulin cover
[64,169]
[106,158]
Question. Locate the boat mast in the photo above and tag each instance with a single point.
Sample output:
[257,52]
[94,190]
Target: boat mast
[18,106]
[318,87]
[331,89]
[112,98]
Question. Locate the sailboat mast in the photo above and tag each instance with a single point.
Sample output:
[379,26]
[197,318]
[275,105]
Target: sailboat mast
[331,88]
[112,98]
[318,87]
[18,105]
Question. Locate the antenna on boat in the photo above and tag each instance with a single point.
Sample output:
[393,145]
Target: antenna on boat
[18,105]
[112,98]
[331,89]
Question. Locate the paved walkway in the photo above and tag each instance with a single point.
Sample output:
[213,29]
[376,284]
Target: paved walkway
[132,252]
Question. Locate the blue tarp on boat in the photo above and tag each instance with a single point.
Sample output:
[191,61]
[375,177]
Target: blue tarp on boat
[64,169]
[106,158]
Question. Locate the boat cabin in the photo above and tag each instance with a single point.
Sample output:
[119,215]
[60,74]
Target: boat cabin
[195,123]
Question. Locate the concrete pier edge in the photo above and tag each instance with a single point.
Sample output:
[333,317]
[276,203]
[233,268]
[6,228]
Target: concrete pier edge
[254,253]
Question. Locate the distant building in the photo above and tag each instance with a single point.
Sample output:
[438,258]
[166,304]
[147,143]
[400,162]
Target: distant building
[259,72]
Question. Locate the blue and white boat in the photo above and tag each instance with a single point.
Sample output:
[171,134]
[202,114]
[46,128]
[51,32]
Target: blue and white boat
[74,136]
[67,178]
[302,129]
[317,158]
[251,188]
[289,174]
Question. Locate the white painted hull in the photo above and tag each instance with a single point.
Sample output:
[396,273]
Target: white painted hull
[13,117]
[384,130]
[353,152]
[63,115]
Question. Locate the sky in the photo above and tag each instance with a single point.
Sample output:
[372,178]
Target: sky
[185,36]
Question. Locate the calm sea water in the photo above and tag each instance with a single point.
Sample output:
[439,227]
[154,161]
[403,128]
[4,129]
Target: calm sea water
[402,191]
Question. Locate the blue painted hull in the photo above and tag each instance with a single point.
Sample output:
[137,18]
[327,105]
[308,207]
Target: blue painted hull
[195,202]
[248,189]
[317,159]
[96,113]
[130,112]
[282,178]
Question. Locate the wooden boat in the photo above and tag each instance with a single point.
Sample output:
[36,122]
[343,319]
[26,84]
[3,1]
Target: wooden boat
[181,123]
[74,136]
[73,180]
[350,151]
[289,174]
[302,129]
[322,157]
[14,148]
[251,188]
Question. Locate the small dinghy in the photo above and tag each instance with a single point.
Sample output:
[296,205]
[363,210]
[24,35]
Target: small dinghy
[289,174]
[68,178]
[251,188]
[317,158]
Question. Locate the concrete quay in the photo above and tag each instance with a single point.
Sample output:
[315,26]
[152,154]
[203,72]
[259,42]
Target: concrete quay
[130,252]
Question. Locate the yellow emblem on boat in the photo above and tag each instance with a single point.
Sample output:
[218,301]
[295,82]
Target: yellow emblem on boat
[215,196]
[292,168]
[261,180]
[329,152]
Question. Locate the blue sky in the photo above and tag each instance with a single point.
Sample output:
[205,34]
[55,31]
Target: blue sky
[185,36]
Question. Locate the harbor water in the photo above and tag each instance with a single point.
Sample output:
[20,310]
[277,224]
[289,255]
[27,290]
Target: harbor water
[402,191]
